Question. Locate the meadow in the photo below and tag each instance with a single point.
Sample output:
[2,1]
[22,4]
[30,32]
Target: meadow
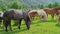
[37,27]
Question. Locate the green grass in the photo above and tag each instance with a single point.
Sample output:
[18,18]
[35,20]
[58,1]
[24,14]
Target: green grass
[37,27]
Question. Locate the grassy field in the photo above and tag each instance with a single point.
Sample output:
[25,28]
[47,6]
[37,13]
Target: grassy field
[37,27]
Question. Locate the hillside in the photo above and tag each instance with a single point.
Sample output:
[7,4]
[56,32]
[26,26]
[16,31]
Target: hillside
[31,2]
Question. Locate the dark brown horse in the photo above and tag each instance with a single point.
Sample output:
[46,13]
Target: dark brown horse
[15,15]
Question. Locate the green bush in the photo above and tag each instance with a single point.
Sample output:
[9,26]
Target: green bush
[16,5]
[55,4]
[50,5]
[41,6]
[3,7]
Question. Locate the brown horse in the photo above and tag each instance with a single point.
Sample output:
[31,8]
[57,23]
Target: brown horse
[51,11]
[41,13]
[57,10]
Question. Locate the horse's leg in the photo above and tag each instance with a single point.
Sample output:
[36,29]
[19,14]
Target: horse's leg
[10,25]
[19,23]
[52,16]
[28,25]
[47,15]
[0,21]
[40,16]
[30,17]
[6,25]
[27,21]
[59,20]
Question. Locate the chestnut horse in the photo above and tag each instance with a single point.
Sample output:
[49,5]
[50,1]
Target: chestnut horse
[51,11]
[41,13]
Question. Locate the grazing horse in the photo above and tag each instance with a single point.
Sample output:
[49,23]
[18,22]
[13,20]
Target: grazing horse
[15,15]
[57,10]
[41,13]
[51,11]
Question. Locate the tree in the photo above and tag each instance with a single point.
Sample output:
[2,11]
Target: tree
[55,4]
[41,6]
[4,7]
[14,5]
[50,5]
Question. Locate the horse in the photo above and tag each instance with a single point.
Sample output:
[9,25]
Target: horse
[57,10]
[51,11]
[41,13]
[15,15]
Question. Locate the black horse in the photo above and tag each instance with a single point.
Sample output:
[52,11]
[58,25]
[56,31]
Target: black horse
[15,15]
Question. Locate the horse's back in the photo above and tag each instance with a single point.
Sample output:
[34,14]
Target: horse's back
[41,12]
[20,14]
